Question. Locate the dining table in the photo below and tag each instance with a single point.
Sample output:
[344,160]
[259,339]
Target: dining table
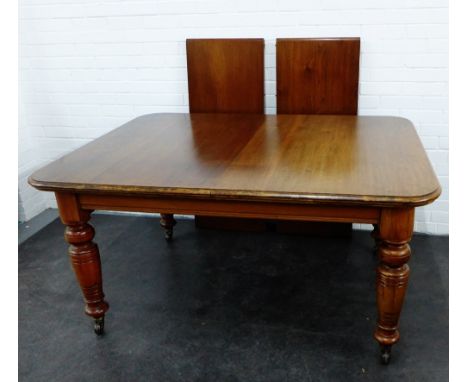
[323,168]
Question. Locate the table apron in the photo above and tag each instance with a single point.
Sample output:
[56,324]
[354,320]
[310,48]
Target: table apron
[228,208]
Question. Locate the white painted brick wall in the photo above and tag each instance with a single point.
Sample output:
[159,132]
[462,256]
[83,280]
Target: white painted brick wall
[87,66]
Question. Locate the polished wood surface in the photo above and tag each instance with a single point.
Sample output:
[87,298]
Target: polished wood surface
[317,76]
[395,231]
[225,75]
[293,167]
[243,209]
[84,256]
[303,84]
[373,161]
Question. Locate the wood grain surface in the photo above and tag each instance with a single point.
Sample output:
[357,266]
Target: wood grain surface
[373,161]
[303,84]
[225,75]
[317,76]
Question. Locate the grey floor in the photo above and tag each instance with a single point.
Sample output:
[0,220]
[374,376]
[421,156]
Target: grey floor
[31,227]
[226,306]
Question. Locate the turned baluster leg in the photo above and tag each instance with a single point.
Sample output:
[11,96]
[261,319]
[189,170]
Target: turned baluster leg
[168,222]
[396,228]
[84,257]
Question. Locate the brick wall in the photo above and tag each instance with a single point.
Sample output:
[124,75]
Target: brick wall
[88,66]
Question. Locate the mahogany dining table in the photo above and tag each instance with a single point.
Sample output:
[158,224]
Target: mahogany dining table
[330,168]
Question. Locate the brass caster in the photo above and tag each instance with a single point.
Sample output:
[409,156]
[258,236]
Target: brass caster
[385,354]
[99,326]
[168,234]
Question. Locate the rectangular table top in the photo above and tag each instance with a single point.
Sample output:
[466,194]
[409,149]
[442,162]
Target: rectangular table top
[302,158]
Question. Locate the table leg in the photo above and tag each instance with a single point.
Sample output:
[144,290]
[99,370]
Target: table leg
[168,222]
[396,228]
[84,257]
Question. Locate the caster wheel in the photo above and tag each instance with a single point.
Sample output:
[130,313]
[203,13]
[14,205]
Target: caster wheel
[385,354]
[168,235]
[99,326]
